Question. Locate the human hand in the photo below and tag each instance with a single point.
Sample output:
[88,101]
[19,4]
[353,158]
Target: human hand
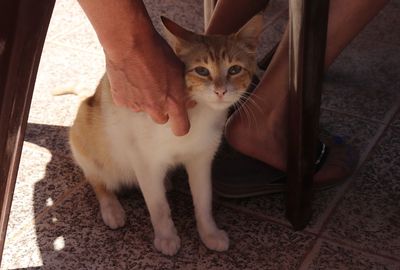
[150,78]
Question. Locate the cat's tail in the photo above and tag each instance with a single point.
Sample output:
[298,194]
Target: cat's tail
[82,93]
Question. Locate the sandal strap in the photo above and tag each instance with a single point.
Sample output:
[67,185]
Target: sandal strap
[322,154]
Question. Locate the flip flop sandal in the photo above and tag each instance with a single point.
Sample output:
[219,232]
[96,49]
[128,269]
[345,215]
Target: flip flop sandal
[238,176]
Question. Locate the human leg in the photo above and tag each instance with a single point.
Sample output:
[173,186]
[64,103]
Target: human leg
[265,140]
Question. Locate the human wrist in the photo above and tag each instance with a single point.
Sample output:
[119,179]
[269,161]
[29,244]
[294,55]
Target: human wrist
[133,43]
[119,25]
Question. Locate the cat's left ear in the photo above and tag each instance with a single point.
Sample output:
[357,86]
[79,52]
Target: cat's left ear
[251,31]
[178,37]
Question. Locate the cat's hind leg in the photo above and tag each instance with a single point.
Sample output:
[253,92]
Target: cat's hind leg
[111,210]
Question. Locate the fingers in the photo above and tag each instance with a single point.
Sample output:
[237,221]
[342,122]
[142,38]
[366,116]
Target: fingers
[178,118]
[157,116]
[190,104]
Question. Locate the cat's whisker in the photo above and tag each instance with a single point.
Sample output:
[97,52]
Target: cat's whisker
[249,97]
[240,108]
[250,116]
[247,100]
[255,104]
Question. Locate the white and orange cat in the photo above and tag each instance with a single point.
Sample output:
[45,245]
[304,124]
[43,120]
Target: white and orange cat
[116,147]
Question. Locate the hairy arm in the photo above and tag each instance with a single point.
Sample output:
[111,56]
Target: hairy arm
[144,73]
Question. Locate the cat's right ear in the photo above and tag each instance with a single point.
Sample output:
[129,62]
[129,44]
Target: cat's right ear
[251,31]
[178,37]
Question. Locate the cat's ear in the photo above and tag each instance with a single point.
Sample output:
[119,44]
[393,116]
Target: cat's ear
[178,37]
[251,31]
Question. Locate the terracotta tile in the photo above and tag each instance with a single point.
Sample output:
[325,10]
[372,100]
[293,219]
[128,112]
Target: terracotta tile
[332,256]
[368,217]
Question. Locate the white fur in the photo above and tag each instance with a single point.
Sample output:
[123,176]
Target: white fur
[141,152]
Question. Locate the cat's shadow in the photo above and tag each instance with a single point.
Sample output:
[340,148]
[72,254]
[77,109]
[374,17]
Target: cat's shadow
[64,233]
[68,225]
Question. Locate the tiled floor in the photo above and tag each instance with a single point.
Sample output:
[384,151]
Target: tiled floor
[55,222]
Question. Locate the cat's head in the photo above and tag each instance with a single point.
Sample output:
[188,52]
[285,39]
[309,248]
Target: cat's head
[218,69]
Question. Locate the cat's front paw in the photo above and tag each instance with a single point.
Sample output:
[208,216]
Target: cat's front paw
[217,240]
[168,245]
[113,214]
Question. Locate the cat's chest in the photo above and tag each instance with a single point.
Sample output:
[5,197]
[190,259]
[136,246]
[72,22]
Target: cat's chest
[139,133]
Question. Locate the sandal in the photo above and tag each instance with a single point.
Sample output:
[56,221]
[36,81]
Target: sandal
[238,176]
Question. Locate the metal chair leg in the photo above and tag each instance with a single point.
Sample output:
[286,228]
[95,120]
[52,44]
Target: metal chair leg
[23,27]
[307,42]
[209,6]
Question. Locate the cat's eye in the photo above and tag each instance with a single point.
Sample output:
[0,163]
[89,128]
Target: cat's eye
[202,71]
[235,69]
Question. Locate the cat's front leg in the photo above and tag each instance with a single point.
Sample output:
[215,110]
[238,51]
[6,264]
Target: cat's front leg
[111,210]
[151,182]
[199,171]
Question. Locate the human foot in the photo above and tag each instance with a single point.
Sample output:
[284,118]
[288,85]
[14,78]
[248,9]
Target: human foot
[269,146]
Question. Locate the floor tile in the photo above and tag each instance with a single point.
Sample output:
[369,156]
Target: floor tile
[55,221]
[396,120]
[331,256]
[82,38]
[362,81]
[72,235]
[52,138]
[357,132]
[67,15]
[42,179]
[188,14]
[369,215]
[63,68]
[386,24]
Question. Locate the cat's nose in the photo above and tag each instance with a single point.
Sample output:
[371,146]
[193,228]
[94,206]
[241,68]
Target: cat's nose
[220,92]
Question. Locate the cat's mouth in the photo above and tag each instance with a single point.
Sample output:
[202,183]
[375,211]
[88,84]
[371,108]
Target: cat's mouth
[221,103]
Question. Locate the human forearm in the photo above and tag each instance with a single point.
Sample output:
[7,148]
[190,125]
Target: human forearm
[120,24]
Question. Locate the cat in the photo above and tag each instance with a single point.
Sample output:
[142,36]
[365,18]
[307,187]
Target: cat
[116,147]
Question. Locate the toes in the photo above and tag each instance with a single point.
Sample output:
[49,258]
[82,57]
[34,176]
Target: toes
[218,240]
[168,245]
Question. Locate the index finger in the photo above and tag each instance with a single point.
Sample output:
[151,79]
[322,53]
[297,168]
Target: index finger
[178,118]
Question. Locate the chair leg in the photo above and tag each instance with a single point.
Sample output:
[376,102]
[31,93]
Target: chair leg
[208,10]
[307,42]
[23,27]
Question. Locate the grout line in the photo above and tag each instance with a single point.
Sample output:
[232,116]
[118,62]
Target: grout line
[376,121]
[310,255]
[253,214]
[391,115]
[350,245]
[100,53]
[339,197]
[328,213]
[314,252]
[62,33]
